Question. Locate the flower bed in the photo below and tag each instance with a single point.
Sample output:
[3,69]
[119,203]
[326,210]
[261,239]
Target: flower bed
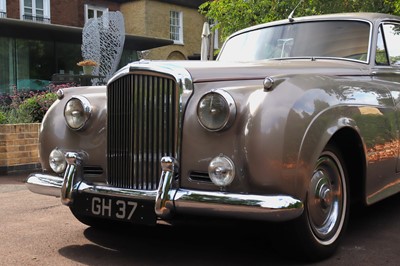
[20,116]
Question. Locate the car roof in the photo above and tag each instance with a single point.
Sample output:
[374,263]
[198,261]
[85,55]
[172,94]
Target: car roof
[355,15]
[366,16]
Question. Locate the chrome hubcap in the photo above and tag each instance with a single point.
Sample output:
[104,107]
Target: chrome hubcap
[326,200]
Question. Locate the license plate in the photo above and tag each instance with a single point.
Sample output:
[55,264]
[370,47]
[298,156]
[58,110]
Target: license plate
[122,209]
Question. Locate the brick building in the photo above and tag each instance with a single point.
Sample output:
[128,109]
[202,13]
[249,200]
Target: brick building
[178,20]
[43,37]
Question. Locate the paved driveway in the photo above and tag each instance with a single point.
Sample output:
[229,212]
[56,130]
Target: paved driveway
[38,230]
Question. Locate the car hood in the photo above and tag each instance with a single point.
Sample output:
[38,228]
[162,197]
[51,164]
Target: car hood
[205,71]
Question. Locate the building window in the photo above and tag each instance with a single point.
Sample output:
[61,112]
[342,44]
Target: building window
[35,10]
[94,12]
[175,22]
[3,9]
[26,65]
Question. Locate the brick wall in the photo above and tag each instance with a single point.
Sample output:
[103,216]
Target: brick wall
[13,9]
[71,12]
[19,147]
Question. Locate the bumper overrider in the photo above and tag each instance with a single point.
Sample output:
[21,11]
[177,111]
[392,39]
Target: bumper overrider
[168,200]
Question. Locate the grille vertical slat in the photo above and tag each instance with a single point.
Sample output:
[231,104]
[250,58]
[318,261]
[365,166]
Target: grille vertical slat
[142,111]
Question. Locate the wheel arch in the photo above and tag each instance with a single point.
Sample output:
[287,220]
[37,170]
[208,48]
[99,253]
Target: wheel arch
[341,131]
[350,145]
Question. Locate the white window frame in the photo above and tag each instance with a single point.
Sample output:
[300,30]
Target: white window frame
[179,25]
[94,8]
[46,10]
[3,9]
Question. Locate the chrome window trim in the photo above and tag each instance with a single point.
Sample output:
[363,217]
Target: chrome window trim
[281,23]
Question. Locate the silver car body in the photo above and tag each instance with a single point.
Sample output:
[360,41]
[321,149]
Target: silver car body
[285,110]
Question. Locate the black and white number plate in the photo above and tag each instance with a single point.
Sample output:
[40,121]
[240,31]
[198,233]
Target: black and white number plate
[122,209]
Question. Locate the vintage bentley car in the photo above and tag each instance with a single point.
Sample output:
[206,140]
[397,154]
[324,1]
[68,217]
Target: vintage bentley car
[295,121]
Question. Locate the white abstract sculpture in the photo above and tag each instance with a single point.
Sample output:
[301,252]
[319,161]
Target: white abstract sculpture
[103,41]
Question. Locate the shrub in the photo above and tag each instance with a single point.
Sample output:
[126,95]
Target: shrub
[3,117]
[18,116]
[28,107]
[36,107]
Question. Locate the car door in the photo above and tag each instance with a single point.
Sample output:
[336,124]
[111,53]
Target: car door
[388,58]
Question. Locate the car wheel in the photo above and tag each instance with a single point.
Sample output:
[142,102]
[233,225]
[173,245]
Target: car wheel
[326,208]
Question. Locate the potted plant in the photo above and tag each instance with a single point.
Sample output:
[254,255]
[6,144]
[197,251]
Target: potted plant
[88,66]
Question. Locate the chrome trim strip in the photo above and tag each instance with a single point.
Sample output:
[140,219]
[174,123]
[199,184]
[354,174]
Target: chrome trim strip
[181,75]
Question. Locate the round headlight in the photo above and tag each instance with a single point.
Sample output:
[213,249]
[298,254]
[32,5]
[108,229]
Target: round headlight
[57,161]
[216,110]
[77,112]
[221,171]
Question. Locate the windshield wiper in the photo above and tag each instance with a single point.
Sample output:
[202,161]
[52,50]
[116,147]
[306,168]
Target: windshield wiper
[293,58]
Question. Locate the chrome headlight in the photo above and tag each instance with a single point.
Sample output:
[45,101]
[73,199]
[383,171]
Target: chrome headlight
[57,161]
[216,110]
[221,170]
[77,112]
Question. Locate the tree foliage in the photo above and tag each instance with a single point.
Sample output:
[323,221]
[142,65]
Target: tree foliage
[233,15]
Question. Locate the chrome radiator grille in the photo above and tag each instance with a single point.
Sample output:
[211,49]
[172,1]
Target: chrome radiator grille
[142,112]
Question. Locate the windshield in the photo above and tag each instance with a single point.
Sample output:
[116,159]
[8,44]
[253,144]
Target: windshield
[333,39]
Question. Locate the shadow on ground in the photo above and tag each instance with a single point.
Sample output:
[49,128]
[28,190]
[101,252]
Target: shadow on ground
[233,244]
[237,243]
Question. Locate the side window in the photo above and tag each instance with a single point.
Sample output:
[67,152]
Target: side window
[392,38]
[381,56]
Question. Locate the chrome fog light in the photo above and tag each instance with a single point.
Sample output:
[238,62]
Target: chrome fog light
[216,110]
[77,112]
[221,170]
[57,161]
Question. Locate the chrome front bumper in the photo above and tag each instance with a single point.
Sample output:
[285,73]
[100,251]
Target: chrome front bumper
[169,200]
